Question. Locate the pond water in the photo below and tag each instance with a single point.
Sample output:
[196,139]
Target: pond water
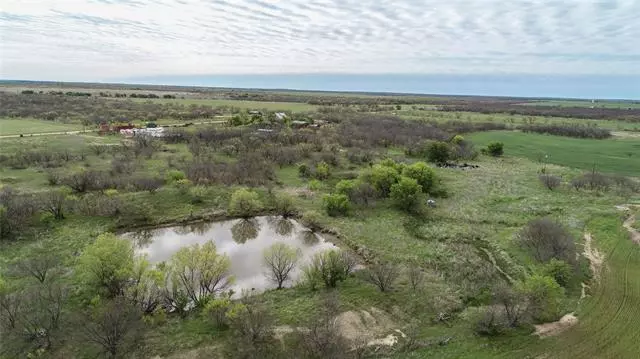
[242,240]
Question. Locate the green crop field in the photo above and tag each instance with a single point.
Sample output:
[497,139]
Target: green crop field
[612,156]
[16,126]
[245,105]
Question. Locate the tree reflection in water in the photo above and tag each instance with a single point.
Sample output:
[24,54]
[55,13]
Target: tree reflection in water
[245,229]
[281,225]
[309,237]
[143,238]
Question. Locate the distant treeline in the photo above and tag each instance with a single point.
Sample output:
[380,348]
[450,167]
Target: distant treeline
[53,107]
[630,115]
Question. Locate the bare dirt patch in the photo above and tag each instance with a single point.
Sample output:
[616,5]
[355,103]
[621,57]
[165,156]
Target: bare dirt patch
[363,325]
[593,255]
[554,328]
[628,223]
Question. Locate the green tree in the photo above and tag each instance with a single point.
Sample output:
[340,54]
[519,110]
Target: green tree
[382,178]
[336,204]
[199,272]
[244,203]
[106,265]
[280,259]
[328,267]
[407,194]
[438,152]
[559,270]
[422,173]
[544,296]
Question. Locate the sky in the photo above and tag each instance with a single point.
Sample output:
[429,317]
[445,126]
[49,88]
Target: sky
[117,40]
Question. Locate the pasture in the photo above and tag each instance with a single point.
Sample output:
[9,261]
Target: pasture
[620,156]
[16,126]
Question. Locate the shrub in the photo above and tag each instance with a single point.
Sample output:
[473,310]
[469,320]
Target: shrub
[495,149]
[345,187]
[382,275]
[336,204]
[491,322]
[322,171]
[547,239]
[304,171]
[183,186]
[438,152]
[312,220]
[592,180]
[407,194]
[314,185]
[457,139]
[198,194]
[284,206]
[149,184]
[550,181]
[328,268]
[174,176]
[244,203]
[422,173]
[53,178]
[560,271]
[545,298]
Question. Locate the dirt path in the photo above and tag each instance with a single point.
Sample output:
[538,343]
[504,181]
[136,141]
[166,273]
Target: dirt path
[555,328]
[628,223]
[593,255]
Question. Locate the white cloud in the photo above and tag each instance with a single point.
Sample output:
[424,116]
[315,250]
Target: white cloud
[99,40]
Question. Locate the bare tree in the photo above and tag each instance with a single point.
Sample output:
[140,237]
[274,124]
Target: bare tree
[10,306]
[280,259]
[55,202]
[547,239]
[322,339]
[382,275]
[416,276]
[253,329]
[114,327]
[39,264]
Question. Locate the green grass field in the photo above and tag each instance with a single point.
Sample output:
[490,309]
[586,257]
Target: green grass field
[16,126]
[246,105]
[586,103]
[620,156]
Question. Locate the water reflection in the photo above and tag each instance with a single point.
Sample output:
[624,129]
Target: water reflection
[282,226]
[245,229]
[309,237]
[244,241]
[142,238]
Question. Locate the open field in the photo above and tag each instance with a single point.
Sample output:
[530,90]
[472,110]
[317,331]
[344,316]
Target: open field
[15,126]
[611,156]
[586,103]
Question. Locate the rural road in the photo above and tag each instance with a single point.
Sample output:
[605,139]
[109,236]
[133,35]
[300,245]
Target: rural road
[96,130]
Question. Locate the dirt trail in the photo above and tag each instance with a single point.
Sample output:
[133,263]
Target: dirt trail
[593,255]
[555,328]
[628,223]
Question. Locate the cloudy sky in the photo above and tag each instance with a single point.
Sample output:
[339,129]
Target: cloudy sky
[102,40]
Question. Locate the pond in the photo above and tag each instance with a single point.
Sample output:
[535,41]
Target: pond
[242,240]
